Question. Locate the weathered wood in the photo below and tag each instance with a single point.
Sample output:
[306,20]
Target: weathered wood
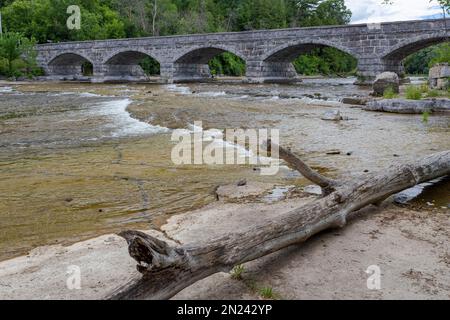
[328,185]
[166,270]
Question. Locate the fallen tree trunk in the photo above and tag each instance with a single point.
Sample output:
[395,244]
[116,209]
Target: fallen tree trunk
[166,269]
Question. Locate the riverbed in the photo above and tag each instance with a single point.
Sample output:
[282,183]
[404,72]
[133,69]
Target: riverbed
[81,160]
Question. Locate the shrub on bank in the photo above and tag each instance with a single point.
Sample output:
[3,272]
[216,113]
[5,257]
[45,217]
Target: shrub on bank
[424,88]
[19,69]
[413,93]
[389,93]
[433,94]
[18,56]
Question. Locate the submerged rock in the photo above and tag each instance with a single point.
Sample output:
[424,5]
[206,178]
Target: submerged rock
[384,81]
[358,101]
[313,189]
[334,115]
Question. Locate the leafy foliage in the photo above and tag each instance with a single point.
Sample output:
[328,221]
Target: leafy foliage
[413,93]
[422,61]
[389,93]
[325,61]
[227,64]
[150,66]
[17,55]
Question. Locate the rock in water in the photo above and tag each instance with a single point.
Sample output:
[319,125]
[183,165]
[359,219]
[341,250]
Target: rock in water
[384,81]
[409,106]
[439,76]
[334,115]
[358,101]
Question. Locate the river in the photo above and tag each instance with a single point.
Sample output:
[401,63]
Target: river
[79,160]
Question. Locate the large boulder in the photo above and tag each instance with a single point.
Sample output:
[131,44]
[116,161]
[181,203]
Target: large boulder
[409,106]
[439,76]
[384,81]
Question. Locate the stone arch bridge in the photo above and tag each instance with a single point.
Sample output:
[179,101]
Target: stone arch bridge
[268,53]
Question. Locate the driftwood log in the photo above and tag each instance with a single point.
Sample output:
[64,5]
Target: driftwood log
[166,269]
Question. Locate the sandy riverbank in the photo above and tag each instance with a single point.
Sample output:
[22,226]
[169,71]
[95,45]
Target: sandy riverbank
[411,247]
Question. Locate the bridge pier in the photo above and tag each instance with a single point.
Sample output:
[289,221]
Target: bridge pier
[271,72]
[369,68]
[185,72]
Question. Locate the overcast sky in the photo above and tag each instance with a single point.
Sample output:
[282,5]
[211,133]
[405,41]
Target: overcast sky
[375,11]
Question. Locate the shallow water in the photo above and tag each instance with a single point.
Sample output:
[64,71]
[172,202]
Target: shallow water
[79,160]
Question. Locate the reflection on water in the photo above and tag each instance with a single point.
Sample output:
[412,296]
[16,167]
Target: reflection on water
[75,164]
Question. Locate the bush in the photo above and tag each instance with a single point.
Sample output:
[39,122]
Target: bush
[424,88]
[433,94]
[227,64]
[389,93]
[426,116]
[18,56]
[413,93]
[150,66]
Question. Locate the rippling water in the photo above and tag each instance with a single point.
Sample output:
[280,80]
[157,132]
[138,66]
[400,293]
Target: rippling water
[78,160]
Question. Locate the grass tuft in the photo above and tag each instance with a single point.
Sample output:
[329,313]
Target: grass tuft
[413,93]
[389,93]
[237,272]
[426,116]
[433,94]
[424,88]
[267,293]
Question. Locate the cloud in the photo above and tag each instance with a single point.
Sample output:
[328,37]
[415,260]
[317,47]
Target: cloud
[369,11]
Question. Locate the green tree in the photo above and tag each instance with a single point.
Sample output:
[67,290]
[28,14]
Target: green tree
[442,54]
[45,20]
[10,49]
[29,56]
[261,14]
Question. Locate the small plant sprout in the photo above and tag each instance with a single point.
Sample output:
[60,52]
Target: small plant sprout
[267,293]
[237,272]
[413,93]
[424,88]
[389,93]
[433,94]
[426,116]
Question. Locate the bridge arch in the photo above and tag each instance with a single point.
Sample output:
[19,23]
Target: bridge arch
[291,50]
[130,65]
[410,46]
[393,57]
[277,62]
[70,64]
[192,64]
